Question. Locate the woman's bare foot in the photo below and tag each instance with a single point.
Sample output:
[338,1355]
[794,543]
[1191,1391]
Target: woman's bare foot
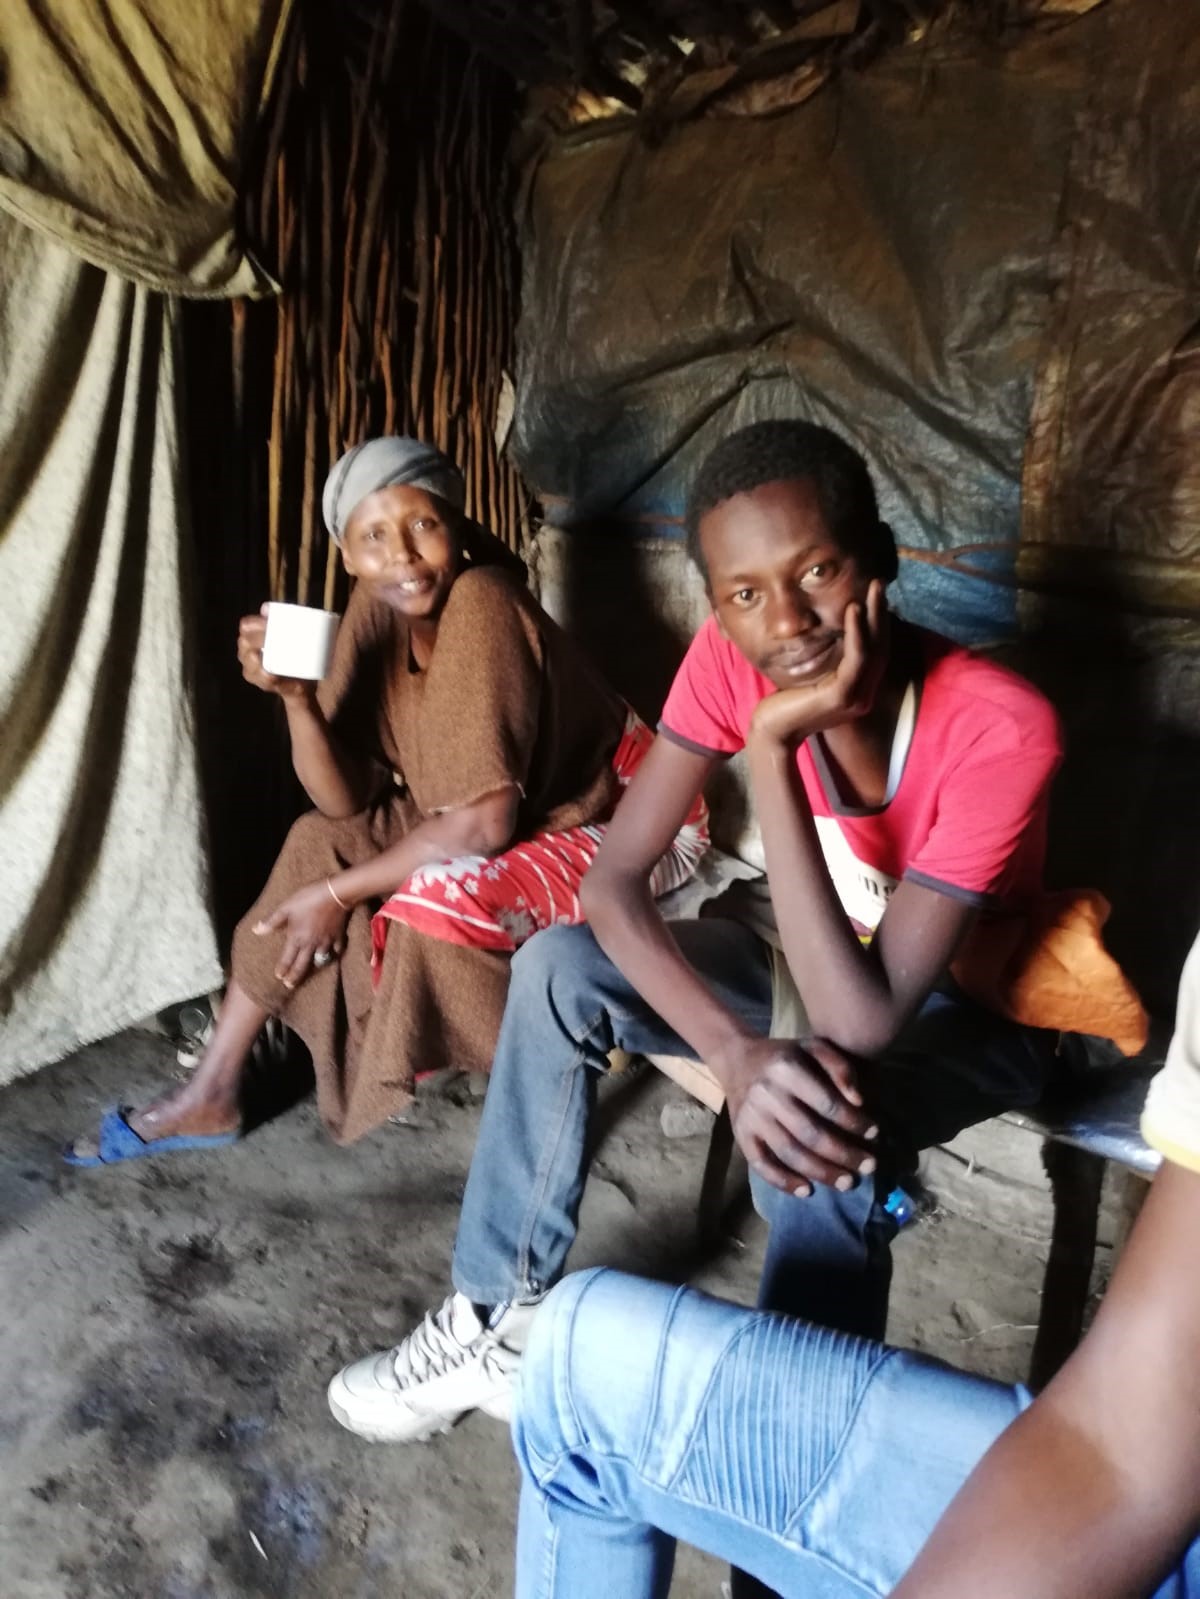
[209,1103]
[190,1109]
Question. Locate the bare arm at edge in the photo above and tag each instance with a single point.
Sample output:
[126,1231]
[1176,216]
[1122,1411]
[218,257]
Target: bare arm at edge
[1096,1489]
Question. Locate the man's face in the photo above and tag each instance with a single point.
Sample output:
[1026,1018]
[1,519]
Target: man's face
[778,582]
[397,541]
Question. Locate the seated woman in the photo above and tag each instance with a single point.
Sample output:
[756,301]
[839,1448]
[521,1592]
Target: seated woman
[462,757]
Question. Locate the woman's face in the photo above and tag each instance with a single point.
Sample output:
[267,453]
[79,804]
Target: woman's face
[399,542]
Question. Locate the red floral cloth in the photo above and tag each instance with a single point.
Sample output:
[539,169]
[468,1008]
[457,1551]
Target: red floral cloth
[497,902]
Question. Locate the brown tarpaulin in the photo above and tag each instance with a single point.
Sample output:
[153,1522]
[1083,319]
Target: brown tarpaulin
[1111,492]
[979,260]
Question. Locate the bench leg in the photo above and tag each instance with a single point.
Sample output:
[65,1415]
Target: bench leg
[716,1170]
[1075,1177]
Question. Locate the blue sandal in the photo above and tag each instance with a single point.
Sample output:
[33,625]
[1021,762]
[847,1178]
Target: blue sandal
[119,1142]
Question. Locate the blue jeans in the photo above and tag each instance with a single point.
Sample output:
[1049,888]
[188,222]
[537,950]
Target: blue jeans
[815,1461]
[828,1256]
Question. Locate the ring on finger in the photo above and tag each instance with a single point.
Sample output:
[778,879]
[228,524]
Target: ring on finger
[322,957]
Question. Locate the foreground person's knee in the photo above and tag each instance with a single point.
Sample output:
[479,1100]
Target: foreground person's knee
[596,1328]
[545,1423]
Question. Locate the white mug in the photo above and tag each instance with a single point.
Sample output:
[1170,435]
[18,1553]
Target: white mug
[299,641]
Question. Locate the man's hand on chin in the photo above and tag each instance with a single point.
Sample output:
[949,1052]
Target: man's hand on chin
[791,715]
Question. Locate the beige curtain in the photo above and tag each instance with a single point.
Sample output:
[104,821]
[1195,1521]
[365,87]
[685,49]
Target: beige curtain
[103,892]
[124,129]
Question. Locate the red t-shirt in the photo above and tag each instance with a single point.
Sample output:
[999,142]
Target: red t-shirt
[968,814]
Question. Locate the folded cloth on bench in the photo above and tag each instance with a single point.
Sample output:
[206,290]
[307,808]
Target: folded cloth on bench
[498,902]
[1047,969]
[1051,969]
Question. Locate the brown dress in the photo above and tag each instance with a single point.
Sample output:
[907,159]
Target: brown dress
[505,699]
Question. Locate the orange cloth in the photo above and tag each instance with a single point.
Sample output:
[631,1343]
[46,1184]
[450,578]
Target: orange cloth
[1052,970]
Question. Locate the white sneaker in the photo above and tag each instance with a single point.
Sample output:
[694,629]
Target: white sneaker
[452,1363]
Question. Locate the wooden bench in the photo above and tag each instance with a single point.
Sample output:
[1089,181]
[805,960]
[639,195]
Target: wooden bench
[1089,1119]
[696,1079]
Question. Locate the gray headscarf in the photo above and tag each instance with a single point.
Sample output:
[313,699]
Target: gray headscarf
[381,464]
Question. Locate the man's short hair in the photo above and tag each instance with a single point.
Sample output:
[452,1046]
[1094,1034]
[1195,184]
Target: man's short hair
[787,451]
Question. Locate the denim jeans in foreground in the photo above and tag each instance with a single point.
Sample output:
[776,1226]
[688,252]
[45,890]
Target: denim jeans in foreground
[817,1462]
[827,1256]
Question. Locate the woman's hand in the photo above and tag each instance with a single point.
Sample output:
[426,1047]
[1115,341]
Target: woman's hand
[252,631]
[314,929]
[791,715]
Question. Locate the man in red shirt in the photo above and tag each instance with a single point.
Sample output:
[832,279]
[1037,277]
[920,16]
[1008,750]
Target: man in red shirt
[901,787]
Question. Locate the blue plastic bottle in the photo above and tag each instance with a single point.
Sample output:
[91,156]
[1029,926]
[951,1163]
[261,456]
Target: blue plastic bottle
[900,1206]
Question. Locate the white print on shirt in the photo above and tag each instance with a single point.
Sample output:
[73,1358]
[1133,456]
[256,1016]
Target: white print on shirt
[863,890]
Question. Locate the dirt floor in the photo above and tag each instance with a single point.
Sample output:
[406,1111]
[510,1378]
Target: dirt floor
[169,1328]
